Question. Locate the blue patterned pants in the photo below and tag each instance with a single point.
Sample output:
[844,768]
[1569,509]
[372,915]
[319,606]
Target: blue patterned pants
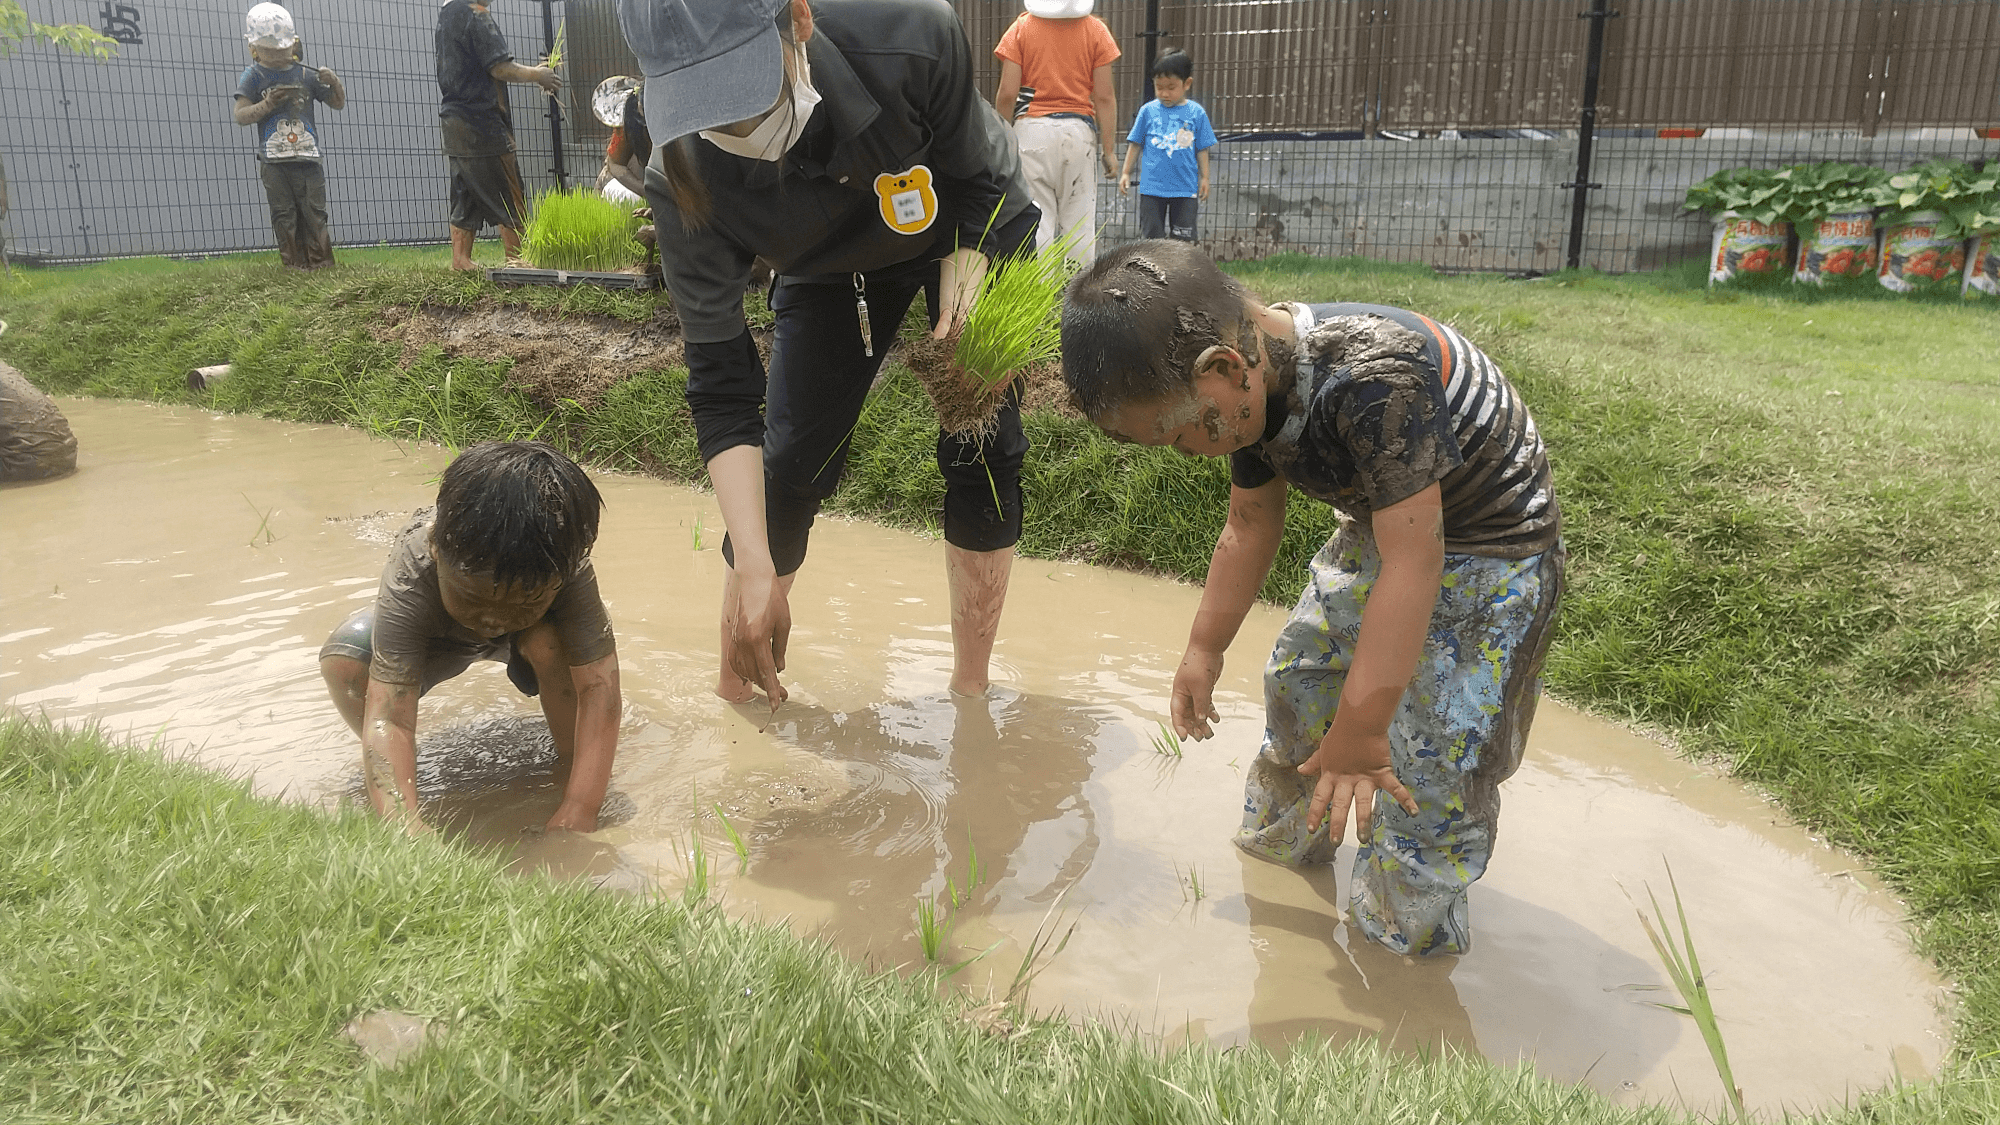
[1458,734]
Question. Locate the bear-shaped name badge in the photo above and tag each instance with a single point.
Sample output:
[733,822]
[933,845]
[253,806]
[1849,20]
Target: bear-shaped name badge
[908,203]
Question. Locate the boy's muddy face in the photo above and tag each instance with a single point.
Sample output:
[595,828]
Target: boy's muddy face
[491,610]
[272,58]
[1216,416]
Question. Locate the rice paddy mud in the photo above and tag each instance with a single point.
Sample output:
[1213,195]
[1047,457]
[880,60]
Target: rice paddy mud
[178,586]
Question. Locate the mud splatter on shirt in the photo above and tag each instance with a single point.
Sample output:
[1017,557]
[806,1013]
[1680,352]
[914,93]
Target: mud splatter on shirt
[1386,402]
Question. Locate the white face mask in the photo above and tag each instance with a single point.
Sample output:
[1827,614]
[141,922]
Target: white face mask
[781,128]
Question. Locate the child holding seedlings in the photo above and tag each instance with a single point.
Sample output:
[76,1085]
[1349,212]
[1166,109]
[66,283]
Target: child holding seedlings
[1404,683]
[474,66]
[276,94]
[1173,133]
[498,570]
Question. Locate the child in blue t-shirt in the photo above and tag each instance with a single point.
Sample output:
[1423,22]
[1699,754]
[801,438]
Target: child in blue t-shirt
[276,94]
[1175,135]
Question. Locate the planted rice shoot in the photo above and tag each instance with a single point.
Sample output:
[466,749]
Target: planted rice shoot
[1043,949]
[1684,968]
[578,229]
[263,522]
[735,838]
[697,535]
[932,931]
[1191,885]
[1167,743]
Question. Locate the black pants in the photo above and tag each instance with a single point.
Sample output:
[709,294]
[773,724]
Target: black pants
[1164,217]
[296,190]
[819,383]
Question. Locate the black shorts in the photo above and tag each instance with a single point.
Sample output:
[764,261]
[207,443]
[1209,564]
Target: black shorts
[486,190]
[355,637]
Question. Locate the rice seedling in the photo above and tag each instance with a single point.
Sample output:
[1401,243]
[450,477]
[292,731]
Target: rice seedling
[1684,968]
[735,838]
[1014,324]
[555,58]
[697,533]
[1167,743]
[932,932]
[578,229]
[1191,885]
[263,523]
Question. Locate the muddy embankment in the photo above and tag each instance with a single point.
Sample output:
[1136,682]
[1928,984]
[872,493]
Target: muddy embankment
[574,359]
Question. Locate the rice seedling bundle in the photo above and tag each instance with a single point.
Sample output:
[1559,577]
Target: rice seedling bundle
[1015,324]
[579,229]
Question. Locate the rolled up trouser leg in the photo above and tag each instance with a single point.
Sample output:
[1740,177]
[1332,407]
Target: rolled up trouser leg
[1457,735]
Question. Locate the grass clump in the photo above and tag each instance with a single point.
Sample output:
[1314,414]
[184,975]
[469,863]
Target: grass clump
[578,229]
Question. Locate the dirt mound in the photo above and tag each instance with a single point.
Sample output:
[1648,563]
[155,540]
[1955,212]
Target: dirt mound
[579,357]
[555,357]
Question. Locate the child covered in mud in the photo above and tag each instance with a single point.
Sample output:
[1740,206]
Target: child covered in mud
[498,570]
[1411,665]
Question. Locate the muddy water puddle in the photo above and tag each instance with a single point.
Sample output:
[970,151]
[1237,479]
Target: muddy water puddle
[178,588]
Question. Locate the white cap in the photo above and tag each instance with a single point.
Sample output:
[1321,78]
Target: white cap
[269,25]
[1058,9]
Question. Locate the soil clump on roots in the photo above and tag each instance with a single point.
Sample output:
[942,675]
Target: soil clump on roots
[963,406]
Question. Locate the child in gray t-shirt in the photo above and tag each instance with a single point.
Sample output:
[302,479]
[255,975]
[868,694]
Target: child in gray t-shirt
[499,570]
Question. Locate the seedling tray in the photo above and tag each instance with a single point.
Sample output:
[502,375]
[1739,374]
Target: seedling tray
[609,279]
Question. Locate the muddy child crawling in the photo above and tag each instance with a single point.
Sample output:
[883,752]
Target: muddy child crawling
[499,570]
[1411,666]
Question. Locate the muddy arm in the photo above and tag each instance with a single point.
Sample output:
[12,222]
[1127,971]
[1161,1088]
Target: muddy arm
[598,703]
[389,749]
[1243,554]
[248,112]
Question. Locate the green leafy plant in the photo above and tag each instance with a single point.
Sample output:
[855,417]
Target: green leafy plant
[555,58]
[578,229]
[16,28]
[1684,968]
[1015,322]
[932,931]
[697,533]
[1167,743]
[1190,881]
[1969,198]
[735,841]
[1752,193]
[1810,192]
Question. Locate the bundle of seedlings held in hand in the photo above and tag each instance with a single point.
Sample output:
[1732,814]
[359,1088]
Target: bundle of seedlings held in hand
[1015,324]
[579,229]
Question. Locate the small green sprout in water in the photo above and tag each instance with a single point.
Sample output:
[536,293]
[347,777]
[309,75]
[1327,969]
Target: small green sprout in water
[1684,968]
[263,522]
[931,931]
[1043,949]
[1167,743]
[696,889]
[697,533]
[578,229]
[1191,886]
[735,841]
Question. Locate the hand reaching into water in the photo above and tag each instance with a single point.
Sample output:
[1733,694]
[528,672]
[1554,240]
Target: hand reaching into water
[1193,704]
[1350,768]
[762,626]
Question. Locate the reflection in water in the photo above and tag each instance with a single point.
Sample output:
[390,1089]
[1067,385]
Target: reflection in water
[934,782]
[873,788]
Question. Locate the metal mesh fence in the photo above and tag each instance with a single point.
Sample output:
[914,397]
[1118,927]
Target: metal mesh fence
[1436,131]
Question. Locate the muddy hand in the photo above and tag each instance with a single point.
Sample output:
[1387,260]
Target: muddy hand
[763,625]
[1350,768]
[1193,704]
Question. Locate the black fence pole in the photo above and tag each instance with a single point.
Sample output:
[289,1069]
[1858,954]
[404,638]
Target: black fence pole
[559,169]
[1152,37]
[1587,130]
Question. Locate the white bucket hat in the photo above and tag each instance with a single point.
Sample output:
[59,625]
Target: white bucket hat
[1058,9]
[269,25]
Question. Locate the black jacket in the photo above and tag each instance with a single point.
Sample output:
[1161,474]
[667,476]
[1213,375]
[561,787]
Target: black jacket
[896,86]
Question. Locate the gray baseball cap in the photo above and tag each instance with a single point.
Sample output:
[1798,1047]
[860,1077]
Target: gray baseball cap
[707,62]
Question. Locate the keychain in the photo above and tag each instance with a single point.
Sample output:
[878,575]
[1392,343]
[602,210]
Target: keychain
[861,310]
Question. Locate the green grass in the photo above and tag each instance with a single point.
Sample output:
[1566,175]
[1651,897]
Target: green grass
[1781,506]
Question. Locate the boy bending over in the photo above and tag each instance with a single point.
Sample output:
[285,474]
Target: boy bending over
[1410,668]
[499,570]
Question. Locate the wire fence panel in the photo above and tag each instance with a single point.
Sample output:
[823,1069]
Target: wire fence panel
[1436,131]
